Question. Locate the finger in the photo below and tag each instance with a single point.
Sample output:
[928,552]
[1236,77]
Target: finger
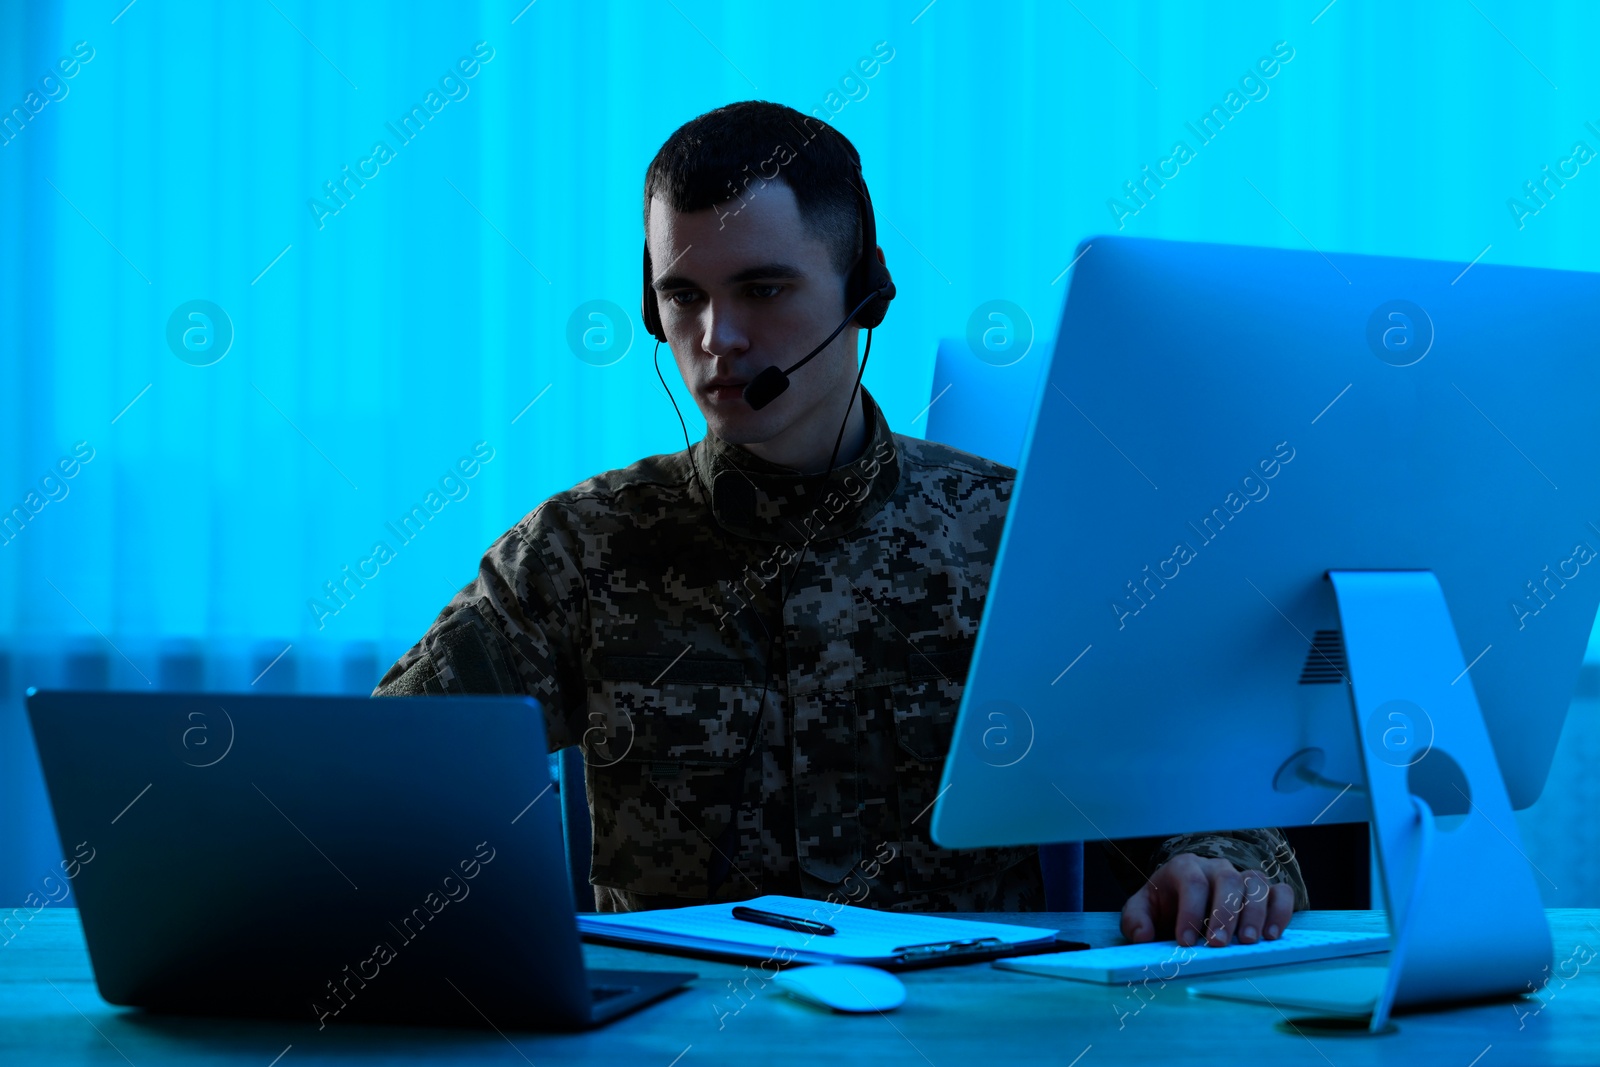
[1227,901]
[1254,915]
[1280,906]
[1193,890]
[1139,916]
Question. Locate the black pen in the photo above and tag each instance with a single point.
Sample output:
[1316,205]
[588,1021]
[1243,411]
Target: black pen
[783,922]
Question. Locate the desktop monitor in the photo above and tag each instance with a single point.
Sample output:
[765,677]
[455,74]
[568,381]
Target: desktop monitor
[984,387]
[1220,429]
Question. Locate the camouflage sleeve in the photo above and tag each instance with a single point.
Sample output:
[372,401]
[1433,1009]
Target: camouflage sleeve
[1265,850]
[512,630]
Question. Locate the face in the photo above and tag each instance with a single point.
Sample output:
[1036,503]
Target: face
[741,292]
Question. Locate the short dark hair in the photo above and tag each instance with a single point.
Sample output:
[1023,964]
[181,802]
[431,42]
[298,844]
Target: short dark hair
[715,157]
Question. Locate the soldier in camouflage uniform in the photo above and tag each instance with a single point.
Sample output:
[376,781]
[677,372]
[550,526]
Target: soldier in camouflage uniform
[739,741]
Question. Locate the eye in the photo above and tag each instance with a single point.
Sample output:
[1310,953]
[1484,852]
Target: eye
[691,294]
[764,292]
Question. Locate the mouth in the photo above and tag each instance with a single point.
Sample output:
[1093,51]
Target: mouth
[724,390]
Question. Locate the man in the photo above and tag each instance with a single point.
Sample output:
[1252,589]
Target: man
[760,655]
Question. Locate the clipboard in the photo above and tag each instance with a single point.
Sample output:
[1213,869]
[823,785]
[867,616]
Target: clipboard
[895,941]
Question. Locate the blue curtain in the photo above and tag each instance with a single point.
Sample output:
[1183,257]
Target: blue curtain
[275,274]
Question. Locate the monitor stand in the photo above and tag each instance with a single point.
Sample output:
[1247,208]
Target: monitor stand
[1465,918]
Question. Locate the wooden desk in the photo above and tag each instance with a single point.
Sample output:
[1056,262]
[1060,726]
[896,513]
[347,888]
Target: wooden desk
[953,1016]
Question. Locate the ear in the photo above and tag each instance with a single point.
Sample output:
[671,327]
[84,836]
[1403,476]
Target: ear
[880,256]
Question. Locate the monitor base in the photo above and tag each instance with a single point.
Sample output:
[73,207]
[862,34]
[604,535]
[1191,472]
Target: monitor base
[1465,915]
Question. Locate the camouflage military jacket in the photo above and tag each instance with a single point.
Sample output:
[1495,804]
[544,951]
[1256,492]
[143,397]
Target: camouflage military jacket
[731,751]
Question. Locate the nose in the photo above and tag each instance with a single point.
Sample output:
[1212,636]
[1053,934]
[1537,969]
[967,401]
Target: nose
[723,334]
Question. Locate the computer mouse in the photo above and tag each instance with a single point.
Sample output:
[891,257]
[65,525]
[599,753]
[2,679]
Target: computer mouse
[843,987]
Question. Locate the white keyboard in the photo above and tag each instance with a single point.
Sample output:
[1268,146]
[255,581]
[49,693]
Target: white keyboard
[1168,960]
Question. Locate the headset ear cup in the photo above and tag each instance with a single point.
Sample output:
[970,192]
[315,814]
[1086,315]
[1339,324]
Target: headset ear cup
[871,273]
[649,305]
[876,277]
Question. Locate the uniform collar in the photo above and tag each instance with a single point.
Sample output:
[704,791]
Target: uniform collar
[753,498]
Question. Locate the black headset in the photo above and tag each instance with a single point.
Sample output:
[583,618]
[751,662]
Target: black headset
[869,288]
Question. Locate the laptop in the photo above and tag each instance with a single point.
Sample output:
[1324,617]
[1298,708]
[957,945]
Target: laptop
[334,859]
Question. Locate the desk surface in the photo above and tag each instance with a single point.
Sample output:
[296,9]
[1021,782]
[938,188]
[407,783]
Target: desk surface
[953,1016]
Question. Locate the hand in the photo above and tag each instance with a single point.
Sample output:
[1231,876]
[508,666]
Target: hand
[1207,898]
